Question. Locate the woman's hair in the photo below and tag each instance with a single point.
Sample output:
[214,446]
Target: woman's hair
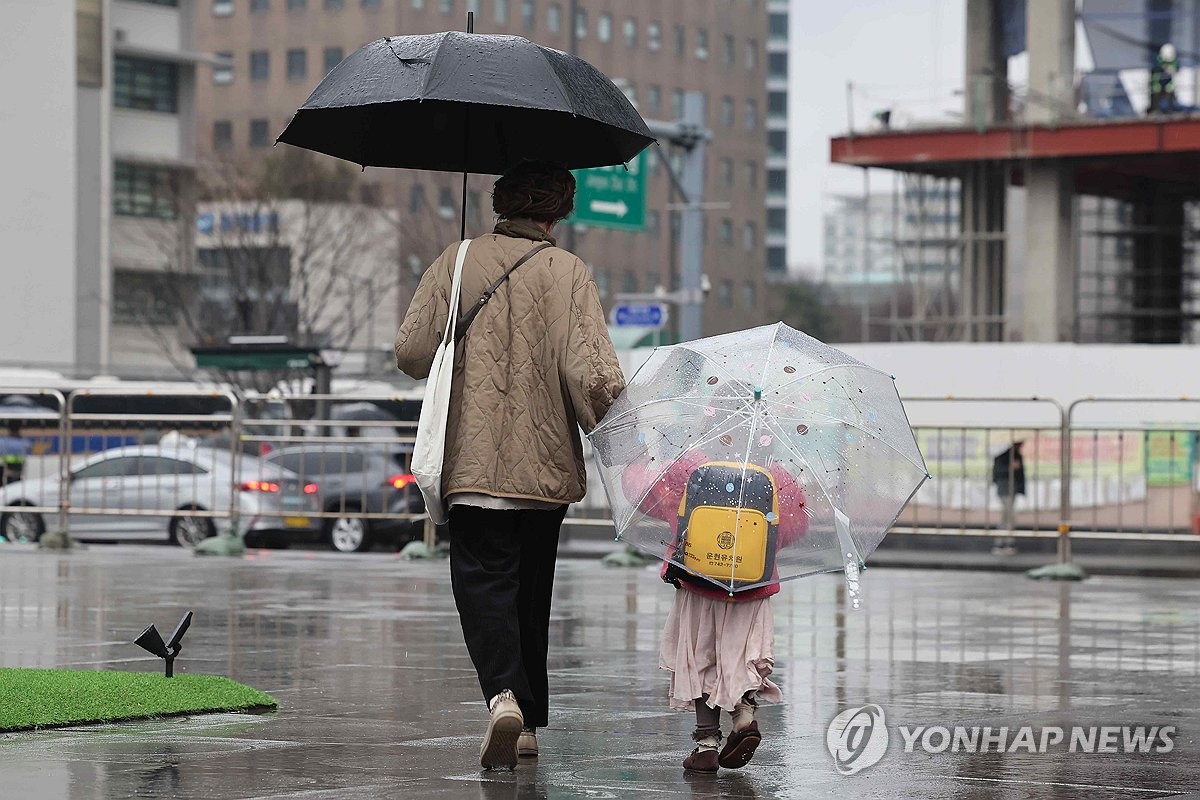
[534,190]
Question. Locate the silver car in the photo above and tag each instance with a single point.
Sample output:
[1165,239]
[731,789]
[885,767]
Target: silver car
[146,491]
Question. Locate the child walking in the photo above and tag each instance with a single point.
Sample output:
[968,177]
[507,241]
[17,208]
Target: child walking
[718,647]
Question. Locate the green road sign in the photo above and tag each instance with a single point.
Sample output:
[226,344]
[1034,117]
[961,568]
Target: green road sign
[612,197]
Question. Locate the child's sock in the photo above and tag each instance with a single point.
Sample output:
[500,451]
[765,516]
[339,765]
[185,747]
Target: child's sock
[708,724]
[743,712]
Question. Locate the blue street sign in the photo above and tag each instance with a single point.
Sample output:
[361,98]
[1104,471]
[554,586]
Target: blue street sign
[641,315]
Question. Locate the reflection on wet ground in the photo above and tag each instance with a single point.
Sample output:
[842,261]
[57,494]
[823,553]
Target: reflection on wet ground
[378,698]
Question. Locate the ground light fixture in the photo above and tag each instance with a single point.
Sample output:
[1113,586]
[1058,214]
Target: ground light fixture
[150,641]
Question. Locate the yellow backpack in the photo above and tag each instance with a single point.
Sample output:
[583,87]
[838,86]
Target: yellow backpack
[728,526]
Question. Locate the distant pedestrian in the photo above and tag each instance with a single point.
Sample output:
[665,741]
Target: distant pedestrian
[536,365]
[1008,476]
[718,647]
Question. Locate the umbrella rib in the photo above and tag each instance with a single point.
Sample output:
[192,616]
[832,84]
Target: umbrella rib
[787,443]
[607,423]
[855,426]
[433,64]
[814,373]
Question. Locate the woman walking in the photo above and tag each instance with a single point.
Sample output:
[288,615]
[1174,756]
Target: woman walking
[535,366]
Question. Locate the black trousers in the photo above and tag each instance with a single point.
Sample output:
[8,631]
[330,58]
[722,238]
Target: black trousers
[502,571]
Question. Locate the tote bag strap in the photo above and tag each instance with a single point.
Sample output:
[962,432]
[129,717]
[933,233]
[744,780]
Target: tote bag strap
[455,292]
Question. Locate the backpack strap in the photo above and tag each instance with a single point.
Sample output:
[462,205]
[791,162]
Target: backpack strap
[469,317]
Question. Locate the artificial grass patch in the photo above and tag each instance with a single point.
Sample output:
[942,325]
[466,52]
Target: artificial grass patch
[48,698]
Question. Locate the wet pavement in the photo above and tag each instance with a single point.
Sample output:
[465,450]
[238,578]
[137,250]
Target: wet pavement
[378,698]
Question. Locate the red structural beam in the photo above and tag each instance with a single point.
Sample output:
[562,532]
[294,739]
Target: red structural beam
[927,149]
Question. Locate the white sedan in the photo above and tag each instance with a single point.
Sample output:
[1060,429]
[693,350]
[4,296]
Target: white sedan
[151,491]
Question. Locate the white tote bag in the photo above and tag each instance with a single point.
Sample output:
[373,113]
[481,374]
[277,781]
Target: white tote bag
[430,449]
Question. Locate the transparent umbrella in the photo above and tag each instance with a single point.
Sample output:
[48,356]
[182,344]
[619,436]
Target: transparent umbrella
[757,456]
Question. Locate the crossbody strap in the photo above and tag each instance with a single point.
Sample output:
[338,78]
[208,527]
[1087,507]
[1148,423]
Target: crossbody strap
[469,317]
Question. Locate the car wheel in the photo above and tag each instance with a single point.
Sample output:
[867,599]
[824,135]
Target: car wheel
[191,531]
[349,534]
[22,526]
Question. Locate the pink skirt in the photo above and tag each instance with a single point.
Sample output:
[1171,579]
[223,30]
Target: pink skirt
[718,648]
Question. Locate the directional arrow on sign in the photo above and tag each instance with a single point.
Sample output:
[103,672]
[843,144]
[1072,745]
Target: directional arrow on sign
[617,209]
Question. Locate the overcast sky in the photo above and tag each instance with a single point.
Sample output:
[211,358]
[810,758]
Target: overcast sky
[903,54]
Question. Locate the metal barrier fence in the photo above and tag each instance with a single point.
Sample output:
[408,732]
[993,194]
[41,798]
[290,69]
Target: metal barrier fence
[110,464]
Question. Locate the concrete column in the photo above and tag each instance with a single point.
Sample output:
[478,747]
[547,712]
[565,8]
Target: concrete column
[1050,39]
[985,90]
[1049,254]
[1049,218]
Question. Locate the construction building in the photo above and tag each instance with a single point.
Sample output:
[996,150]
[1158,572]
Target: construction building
[1077,189]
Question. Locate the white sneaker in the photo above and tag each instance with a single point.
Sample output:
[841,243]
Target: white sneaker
[499,747]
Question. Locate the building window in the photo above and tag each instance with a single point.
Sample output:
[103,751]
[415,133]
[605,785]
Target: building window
[145,84]
[446,207]
[447,6]
[260,65]
[752,174]
[528,15]
[777,143]
[630,30]
[333,57]
[680,40]
[297,5]
[222,8]
[334,5]
[143,191]
[258,133]
[500,10]
[604,28]
[372,4]
[725,293]
[629,281]
[749,236]
[702,44]
[653,224]
[172,3]
[144,298]
[727,112]
[554,18]
[777,104]
[728,50]
[777,65]
[776,181]
[297,64]
[222,135]
[751,115]
[416,198]
[581,24]
[654,99]
[258,6]
[727,172]
[725,232]
[677,104]
[777,259]
[752,54]
[419,5]
[777,26]
[776,220]
[654,37]
[675,221]
[222,73]
[749,295]
[630,92]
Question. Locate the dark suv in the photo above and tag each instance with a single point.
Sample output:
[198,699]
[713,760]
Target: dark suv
[358,479]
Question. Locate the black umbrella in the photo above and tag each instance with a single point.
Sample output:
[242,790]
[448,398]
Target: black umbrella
[467,102]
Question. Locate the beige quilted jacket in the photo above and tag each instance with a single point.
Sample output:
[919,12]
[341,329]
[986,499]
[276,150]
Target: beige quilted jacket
[536,365]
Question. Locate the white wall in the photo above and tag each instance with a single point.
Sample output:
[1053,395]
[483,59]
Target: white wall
[37,192]
[150,26]
[1064,372]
